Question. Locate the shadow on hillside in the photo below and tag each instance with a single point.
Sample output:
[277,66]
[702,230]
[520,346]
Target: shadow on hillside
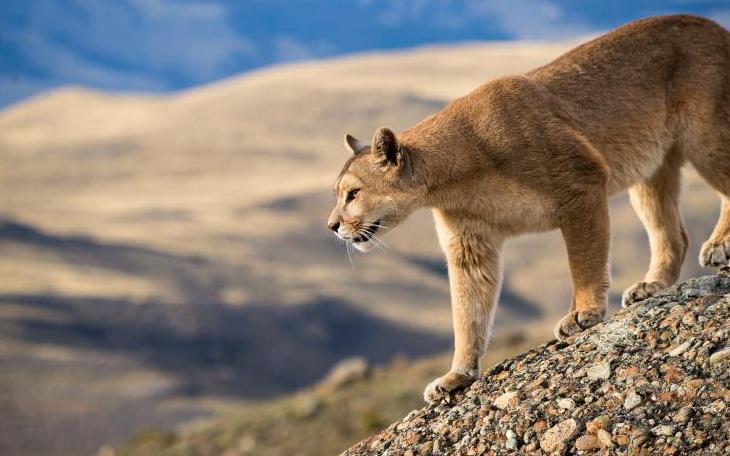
[246,352]
[197,278]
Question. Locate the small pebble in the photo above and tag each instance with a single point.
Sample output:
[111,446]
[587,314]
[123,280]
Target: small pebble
[605,437]
[508,399]
[600,371]
[566,403]
[558,434]
[720,356]
[587,442]
[681,348]
[632,399]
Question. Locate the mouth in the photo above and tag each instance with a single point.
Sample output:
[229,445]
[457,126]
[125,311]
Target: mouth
[367,234]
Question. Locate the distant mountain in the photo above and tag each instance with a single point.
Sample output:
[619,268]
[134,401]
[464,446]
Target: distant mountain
[166,45]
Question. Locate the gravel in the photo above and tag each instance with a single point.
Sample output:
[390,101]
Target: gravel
[653,379]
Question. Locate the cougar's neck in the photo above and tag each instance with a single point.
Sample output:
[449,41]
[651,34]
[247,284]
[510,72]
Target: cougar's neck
[443,160]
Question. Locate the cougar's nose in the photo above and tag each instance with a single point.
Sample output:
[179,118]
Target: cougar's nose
[334,226]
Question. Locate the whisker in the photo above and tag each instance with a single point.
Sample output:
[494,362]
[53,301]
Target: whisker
[378,246]
[380,242]
[349,257]
[354,255]
[377,225]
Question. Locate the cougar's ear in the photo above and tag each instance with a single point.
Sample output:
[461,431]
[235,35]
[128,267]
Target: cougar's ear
[386,146]
[353,145]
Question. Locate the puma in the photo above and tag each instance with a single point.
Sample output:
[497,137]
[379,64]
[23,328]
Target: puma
[545,150]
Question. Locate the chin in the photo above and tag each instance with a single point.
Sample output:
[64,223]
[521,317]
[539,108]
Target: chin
[364,247]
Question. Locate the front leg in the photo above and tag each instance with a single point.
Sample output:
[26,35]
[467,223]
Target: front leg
[585,227]
[474,279]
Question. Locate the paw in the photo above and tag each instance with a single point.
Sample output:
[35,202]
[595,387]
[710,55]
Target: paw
[640,291]
[575,322]
[442,386]
[715,254]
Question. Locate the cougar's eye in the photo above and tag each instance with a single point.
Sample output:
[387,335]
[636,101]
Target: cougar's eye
[351,195]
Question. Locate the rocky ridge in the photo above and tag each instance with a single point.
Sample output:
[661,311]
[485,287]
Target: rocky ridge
[654,379]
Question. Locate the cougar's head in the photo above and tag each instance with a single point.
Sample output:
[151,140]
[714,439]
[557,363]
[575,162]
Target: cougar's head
[375,190]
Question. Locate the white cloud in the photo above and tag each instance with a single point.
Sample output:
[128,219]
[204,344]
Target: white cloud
[135,44]
[520,19]
[64,63]
[194,37]
[398,11]
[525,19]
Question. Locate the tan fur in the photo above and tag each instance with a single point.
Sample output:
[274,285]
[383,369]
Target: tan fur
[544,151]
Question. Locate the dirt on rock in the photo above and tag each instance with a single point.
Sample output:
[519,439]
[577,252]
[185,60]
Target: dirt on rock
[652,380]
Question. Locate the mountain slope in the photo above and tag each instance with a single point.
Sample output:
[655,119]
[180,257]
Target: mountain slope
[653,379]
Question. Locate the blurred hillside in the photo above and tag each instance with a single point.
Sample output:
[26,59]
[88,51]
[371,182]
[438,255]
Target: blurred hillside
[165,258]
[321,420]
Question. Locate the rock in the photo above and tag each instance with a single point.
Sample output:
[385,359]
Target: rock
[540,426]
[601,422]
[717,407]
[672,320]
[720,356]
[441,429]
[425,449]
[600,371]
[346,372]
[628,372]
[502,375]
[558,434]
[689,319]
[106,451]
[566,403]
[622,439]
[632,399]
[508,399]
[682,415]
[672,374]
[511,443]
[307,407]
[605,437]
[681,348]
[587,442]
[665,430]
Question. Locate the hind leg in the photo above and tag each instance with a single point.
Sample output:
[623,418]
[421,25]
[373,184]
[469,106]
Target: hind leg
[586,231]
[715,252]
[715,168]
[656,202]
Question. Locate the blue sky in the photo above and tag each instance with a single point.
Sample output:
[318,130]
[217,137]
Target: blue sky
[164,45]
